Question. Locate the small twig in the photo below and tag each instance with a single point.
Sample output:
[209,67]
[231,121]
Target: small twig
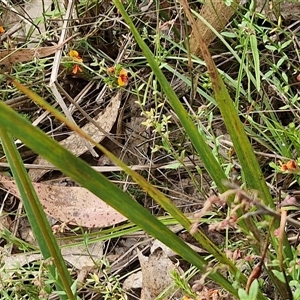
[58,54]
[105,169]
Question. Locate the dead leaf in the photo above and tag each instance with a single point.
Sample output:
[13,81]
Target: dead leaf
[156,271]
[72,205]
[133,281]
[9,57]
[74,144]
[79,257]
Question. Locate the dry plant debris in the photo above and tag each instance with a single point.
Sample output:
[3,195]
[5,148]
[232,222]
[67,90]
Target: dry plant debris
[10,57]
[71,205]
[156,270]
[216,13]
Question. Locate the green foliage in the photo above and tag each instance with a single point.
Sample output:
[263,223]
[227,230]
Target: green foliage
[182,283]
[253,291]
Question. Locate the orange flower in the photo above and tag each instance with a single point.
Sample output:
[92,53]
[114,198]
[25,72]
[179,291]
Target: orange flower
[123,78]
[2,30]
[76,69]
[289,166]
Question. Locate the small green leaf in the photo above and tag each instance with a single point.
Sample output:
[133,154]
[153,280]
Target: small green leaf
[253,290]
[243,295]
[279,275]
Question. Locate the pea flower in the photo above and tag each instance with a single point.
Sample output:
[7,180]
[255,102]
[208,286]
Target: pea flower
[76,57]
[123,78]
[2,30]
[289,166]
[117,75]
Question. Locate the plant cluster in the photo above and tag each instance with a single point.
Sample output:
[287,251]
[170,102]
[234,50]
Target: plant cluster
[228,124]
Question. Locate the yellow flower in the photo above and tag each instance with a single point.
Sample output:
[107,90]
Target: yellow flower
[75,55]
[2,30]
[123,77]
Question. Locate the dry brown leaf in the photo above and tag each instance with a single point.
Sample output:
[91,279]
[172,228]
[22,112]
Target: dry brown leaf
[9,57]
[71,205]
[156,271]
[74,143]
[133,281]
[216,13]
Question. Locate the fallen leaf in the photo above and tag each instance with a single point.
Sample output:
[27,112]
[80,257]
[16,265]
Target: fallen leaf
[9,57]
[71,205]
[156,271]
[133,281]
[74,143]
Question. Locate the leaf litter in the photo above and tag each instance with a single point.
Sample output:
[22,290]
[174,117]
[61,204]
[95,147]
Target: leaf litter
[71,205]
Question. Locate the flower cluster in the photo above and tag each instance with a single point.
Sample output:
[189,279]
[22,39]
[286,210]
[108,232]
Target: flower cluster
[291,166]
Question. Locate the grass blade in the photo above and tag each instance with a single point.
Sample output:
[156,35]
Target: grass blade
[37,217]
[159,197]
